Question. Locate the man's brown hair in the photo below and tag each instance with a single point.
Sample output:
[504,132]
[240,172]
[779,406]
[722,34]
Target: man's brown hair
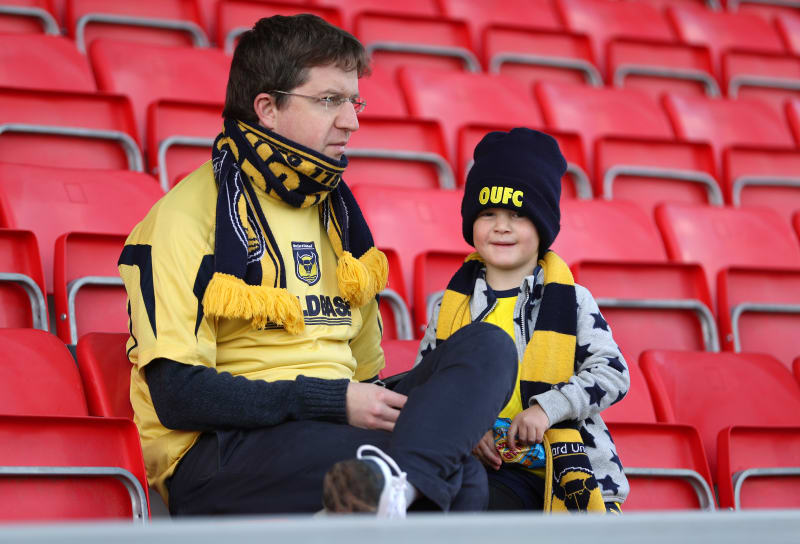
[277,53]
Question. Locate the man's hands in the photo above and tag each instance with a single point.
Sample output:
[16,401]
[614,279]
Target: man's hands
[371,406]
[486,452]
[528,427]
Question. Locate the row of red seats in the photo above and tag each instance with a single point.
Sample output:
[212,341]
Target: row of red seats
[696,262]
[678,439]
[688,47]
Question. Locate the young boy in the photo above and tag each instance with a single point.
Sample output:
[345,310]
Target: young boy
[570,368]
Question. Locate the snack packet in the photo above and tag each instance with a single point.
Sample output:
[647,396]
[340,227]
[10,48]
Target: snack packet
[528,456]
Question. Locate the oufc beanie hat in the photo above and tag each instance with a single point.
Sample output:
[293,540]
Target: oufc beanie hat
[520,170]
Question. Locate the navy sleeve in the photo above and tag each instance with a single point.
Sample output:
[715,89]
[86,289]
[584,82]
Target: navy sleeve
[198,398]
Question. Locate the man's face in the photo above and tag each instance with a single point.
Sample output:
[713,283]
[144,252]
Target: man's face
[309,122]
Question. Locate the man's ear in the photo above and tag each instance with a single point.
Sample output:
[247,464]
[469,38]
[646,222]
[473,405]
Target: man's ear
[266,110]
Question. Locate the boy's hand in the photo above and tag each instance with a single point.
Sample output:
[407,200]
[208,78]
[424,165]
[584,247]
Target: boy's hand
[486,452]
[528,427]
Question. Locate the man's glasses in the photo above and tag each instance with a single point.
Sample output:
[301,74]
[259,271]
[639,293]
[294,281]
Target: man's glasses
[331,103]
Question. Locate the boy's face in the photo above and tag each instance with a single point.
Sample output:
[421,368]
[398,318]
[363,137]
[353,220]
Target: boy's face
[309,122]
[507,241]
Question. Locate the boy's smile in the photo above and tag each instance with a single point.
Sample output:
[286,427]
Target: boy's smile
[509,245]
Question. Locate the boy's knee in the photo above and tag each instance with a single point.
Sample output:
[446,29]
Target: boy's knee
[491,344]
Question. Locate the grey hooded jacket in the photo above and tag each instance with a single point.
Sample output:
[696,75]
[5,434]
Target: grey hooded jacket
[601,374]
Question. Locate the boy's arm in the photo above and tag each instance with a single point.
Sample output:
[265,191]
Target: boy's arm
[601,373]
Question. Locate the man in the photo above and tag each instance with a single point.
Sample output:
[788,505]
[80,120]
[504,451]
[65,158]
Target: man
[255,330]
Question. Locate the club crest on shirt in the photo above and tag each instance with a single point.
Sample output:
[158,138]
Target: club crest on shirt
[306,262]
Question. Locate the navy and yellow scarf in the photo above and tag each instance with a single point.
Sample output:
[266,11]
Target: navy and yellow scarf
[249,280]
[549,360]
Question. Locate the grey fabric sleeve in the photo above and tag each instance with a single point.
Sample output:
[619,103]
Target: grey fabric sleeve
[198,398]
[601,373]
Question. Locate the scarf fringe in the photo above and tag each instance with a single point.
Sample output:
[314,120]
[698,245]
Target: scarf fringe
[230,297]
[360,280]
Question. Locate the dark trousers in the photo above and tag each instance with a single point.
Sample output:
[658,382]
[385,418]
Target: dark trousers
[454,395]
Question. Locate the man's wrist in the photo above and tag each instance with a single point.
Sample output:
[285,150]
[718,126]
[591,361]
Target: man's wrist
[323,399]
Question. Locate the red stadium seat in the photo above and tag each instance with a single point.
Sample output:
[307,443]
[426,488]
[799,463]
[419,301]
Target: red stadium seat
[412,221]
[400,356]
[718,238]
[793,115]
[400,152]
[351,8]
[35,61]
[574,184]
[180,136]
[158,72]
[38,376]
[161,22]
[652,305]
[22,288]
[88,292]
[393,305]
[796,223]
[592,230]
[637,406]
[106,374]
[714,391]
[637,44]
[382,92]
[759,467]
[72,129]
[234,17]
[721,31]
[769,77]
[755,176]
[432,273]
[75,200]
[796,368]
[71,468]
[788,25]
[725,122]
[456,99]
[540,55]
[416,40]
[28,17]
[665,465]
[768,10]
[759,311]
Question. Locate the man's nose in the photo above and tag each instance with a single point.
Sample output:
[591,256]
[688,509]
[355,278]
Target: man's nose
[346,117]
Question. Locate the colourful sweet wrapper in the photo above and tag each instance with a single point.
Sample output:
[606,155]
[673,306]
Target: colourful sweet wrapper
[528,456]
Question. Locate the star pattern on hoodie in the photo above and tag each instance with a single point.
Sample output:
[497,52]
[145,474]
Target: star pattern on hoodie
[615,459]
[616,364]
[599,322]
[587,437]
[609,484]
[595,393]
[582,352]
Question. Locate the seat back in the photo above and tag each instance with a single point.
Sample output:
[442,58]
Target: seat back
[162,22]
[400,356]
[28,17]
[89,294]
[793,116]
[38,376]
[180,136]
[159,72]
[770,77]
[71,468]
[75,200]
[747,456]
[755,176]
[652,305]
[592,230]
[665,465]
[416,40]
[430,220]
[594,113]
[71,129]
[35,61]
[382,92]
[637,406]
[400,152]
[723,122]
[759,311]
[788,25]
[351,8]
[394,305]
[713,391]
[234,17]
[22,288]
[432,273]
[106,373]
[722,237]
[456,99]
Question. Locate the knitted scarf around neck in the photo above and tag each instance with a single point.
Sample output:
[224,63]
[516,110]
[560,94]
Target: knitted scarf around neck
[249,280]
[548,361]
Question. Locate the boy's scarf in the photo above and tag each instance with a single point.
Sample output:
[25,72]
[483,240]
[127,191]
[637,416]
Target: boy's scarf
[249,280]
[549,360]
